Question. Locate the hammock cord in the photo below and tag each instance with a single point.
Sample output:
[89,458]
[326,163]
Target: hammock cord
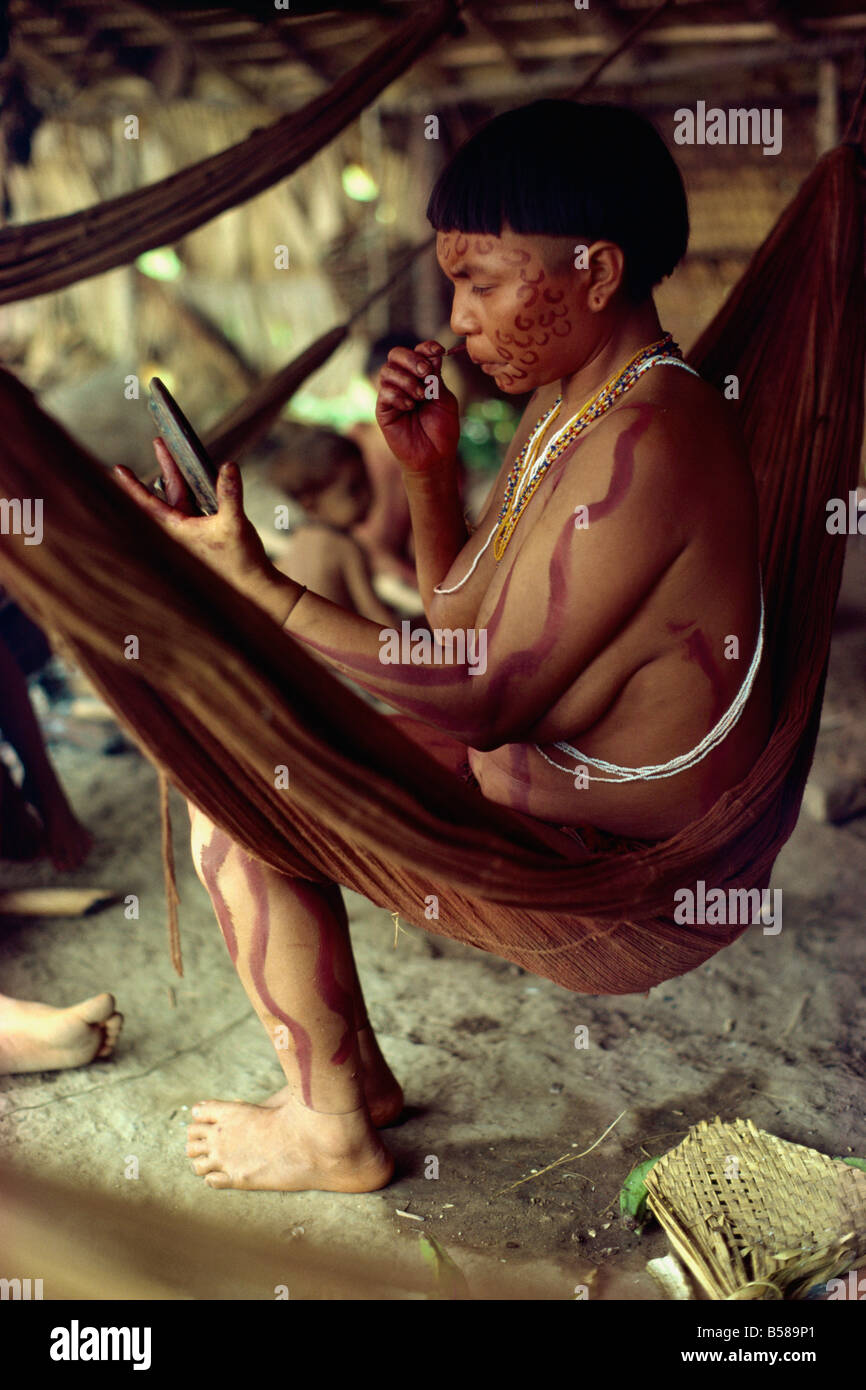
[172,897]
[40,257]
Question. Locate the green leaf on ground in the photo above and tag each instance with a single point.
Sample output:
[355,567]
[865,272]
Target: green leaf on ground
[449,1281]
[852,1162]
[633,1194]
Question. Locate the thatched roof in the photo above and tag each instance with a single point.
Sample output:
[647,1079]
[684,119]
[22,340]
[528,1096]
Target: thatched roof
[203,77]
[502,50]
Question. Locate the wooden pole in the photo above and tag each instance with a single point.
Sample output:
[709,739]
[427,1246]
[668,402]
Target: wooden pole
[377,246]
[426,303]
[827,109]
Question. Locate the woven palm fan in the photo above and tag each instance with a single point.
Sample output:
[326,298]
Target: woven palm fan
[753,1216]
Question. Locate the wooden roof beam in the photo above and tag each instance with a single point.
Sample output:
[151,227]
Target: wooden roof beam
[778,13]
[475,18]
[559,78]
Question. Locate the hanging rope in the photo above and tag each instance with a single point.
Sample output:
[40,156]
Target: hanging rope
[44,256]
[627,41]
[249,421]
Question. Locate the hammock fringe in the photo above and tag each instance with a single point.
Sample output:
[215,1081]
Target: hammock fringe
[172,897]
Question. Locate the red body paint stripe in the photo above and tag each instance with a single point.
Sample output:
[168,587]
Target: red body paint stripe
[623,463]
[529,658]
[698,649]
[212,859]
[339,1000]
[258,952]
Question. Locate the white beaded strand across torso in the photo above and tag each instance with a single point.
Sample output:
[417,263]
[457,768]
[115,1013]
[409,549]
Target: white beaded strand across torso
[616,772]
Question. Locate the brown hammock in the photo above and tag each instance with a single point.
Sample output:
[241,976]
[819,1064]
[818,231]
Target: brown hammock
[244,425]
[47,255]
[219,698]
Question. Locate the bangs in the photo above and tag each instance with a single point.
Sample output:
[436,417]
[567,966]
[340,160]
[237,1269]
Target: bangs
[560,168]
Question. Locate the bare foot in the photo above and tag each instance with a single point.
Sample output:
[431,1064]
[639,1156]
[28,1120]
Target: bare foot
[286,1148]
[382,1091]
[37,1037]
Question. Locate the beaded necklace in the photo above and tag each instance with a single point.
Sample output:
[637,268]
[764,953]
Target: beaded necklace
[529,469]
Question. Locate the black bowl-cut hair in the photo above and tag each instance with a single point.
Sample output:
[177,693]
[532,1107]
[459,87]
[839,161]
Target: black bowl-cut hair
[567,168]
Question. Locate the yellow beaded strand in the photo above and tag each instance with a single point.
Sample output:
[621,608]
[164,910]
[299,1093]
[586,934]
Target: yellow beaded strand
[515,507]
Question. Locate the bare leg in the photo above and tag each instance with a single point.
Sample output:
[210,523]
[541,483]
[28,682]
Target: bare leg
[68,841]
[290,944]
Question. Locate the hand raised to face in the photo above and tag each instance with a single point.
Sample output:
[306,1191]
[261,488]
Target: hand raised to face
[416,412]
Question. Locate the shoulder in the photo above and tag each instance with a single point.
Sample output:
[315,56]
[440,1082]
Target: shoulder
[678,434]
[311,535]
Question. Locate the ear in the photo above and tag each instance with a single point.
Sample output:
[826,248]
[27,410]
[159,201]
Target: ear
[606,273]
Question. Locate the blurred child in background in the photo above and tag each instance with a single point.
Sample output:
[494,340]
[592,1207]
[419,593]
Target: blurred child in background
[324,474]
[386,530]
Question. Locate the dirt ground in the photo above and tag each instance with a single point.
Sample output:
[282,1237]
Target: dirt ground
[772,1029]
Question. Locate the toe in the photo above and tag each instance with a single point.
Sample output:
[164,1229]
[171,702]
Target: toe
[218,1180]
[205,1164]
[197,1132]
[210,1112]
[95,1010]
[196,1148]
[205,1111]
[111,1030]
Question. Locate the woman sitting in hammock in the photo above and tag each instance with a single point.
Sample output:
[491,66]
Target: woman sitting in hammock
[612,585]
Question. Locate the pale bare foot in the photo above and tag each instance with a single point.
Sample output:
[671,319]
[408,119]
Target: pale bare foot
[382,1091]
[286,1148]
[38,1037]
